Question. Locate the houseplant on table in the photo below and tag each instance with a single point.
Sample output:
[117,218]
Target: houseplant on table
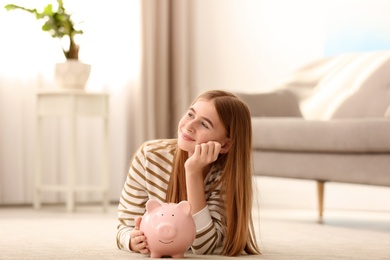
[59,24]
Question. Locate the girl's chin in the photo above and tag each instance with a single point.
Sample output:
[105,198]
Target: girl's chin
[185,146]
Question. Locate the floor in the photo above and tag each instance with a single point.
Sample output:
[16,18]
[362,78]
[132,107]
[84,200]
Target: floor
[356,225]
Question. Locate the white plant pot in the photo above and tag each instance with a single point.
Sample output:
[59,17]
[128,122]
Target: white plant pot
[72,74]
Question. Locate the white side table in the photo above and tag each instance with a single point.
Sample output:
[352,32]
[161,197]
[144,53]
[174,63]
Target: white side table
[71,104]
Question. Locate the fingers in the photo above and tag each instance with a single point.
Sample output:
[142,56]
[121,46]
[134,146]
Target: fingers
[141,247]
[138,242]
[203,155]
[144,251]
[136,233]
[216,149]
[198,150]
[137,223]
[209,150]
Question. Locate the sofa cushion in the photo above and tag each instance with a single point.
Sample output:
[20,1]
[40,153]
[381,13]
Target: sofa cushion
[364,135]
[357,86]
[278,103]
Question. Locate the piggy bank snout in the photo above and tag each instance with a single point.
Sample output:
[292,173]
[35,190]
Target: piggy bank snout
[166,230]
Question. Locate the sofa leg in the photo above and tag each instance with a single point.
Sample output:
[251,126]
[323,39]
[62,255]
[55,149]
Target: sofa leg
[320,196]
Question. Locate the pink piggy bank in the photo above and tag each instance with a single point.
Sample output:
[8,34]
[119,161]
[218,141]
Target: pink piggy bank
[169,228]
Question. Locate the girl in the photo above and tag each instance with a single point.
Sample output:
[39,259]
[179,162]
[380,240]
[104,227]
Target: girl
[209,165]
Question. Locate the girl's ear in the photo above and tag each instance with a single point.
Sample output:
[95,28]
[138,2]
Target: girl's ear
[225,147]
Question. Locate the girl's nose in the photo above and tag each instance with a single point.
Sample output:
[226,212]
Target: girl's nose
[190,126]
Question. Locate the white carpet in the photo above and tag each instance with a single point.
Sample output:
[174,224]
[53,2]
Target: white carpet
[285,233]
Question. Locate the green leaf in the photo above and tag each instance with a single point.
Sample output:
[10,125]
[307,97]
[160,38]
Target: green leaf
[57,23]
[10,7]
[48,10]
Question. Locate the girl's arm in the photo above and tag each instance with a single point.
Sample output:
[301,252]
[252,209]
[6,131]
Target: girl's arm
[141,185]
[131,206]
[206,211]
[209,228]
[197,166]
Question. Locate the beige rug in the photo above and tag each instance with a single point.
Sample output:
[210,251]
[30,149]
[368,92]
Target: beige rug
[52,233]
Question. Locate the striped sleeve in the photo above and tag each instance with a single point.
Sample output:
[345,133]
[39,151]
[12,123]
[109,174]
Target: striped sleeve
[147,178]
[209,227]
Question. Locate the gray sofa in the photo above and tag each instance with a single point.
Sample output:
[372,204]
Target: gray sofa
[329,122]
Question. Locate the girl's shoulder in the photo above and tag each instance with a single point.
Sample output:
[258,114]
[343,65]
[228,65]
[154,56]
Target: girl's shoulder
[160,146]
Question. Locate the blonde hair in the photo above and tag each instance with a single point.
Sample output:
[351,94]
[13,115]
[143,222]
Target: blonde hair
[236,176]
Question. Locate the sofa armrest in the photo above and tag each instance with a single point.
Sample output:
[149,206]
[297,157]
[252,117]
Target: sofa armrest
[278,103]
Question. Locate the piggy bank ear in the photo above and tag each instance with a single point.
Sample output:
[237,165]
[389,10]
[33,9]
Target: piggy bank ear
[152,204]
[184,206]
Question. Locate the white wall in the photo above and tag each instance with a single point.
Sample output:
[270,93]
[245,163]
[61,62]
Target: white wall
[252,44]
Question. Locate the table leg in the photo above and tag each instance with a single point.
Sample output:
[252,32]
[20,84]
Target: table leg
[106,175]
[38,163]
[72,155]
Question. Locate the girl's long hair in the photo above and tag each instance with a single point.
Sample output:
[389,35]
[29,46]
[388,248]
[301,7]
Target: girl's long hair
[236,177]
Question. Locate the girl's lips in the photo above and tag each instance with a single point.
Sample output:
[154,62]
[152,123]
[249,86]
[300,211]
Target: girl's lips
[187,138]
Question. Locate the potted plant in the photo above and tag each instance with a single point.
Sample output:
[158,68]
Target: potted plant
[59,24]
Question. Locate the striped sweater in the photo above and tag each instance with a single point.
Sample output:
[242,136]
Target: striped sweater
[148,178]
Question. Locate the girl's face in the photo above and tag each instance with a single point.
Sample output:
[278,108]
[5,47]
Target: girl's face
[199,125]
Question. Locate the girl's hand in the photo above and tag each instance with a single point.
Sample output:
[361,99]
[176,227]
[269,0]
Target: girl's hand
[204,154]
[137,239]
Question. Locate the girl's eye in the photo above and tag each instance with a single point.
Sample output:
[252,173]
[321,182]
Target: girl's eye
[190,114]
[205,125]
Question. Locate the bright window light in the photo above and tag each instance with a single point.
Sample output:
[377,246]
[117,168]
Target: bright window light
[110,42]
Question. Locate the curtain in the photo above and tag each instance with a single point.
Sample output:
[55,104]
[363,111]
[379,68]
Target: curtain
[164,92]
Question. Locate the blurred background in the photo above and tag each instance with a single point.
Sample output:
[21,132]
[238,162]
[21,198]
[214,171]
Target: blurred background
[153,57]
